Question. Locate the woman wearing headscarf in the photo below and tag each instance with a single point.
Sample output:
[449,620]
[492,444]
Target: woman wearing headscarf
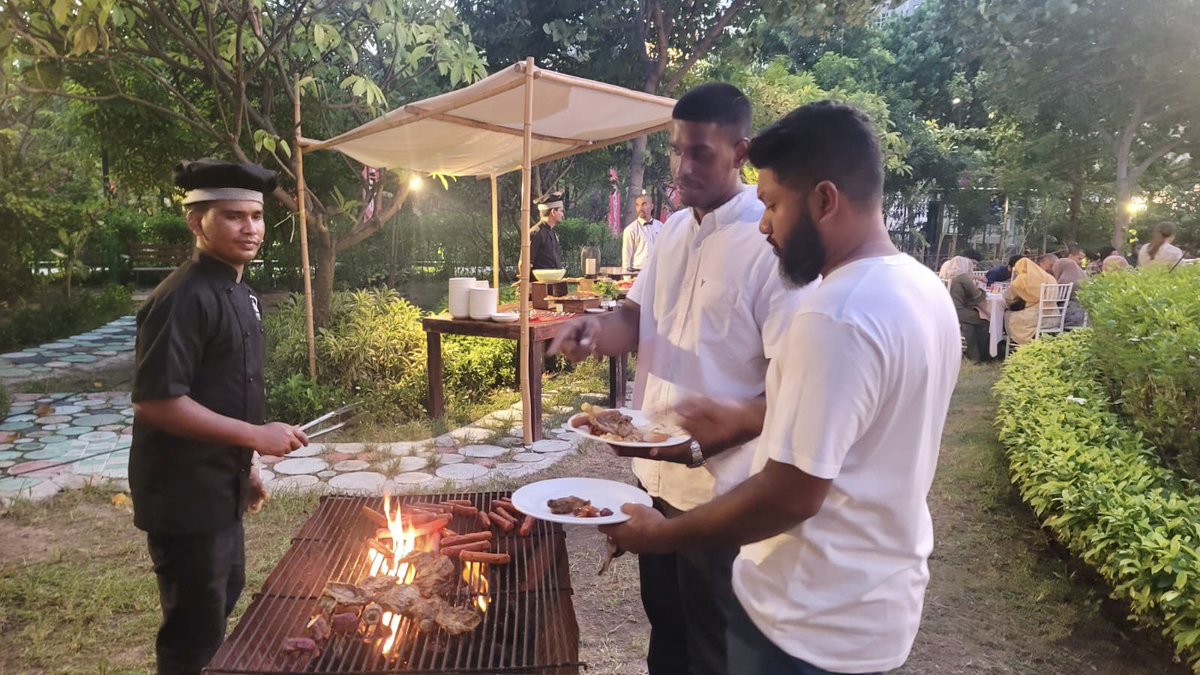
[1026,292]
[968,303]
[1160,251]
[1068,271]
[1114,262]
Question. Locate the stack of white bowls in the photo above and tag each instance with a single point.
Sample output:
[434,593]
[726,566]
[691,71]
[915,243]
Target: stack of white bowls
[484,302]
[460,299]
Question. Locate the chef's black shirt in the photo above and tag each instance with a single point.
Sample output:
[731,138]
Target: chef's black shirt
[199,335]
[544,251]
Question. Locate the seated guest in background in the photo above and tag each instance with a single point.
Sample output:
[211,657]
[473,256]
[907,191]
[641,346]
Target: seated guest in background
[959,264]
[1046,262]
[1160,252]
[1097,265]
[1068,271]
[969,305]
[1001,273]
[1023,297]
[1114,261]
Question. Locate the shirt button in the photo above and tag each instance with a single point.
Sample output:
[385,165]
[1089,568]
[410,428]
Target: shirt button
[250,379]
[246,333]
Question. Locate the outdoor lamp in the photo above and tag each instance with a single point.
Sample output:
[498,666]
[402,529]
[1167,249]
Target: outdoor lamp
[589,261]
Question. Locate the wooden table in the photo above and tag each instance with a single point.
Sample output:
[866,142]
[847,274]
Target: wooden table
[541,332]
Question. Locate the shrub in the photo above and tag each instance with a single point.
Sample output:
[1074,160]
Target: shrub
[298,399]
[5,401]
[1099,487]
[374,349]
[575,233]
[1147,345]
[62,318]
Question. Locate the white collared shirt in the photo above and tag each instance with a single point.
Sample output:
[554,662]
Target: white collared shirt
[710,297]
[637,242]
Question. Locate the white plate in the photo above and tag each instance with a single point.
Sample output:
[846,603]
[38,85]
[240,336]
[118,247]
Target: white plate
[505,317]
[578,424]
[531,499]
[595,310]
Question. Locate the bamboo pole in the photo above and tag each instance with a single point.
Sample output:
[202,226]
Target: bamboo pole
[523,343]
[498,128]
[495,238]
[301,196]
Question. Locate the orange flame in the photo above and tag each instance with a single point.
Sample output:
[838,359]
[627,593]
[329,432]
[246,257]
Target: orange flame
[475,574]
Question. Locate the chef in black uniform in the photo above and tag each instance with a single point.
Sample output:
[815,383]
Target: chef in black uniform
[544,251]
[199,409]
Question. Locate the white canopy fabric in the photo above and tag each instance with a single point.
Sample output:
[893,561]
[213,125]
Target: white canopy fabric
[478,130]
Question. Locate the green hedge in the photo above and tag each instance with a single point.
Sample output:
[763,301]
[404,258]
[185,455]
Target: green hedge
[52,321]
[1147,346]
[1100,487]
[374,350]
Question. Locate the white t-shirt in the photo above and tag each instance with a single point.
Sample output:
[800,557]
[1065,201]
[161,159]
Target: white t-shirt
[1167,255]
[858,394]
[706,296]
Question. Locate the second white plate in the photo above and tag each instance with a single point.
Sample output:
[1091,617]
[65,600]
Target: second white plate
[603,494]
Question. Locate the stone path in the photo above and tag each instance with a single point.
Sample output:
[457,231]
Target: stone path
[42,433]
[80,351]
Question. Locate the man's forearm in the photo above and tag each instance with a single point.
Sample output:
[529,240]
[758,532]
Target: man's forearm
[619,332]
[184,417]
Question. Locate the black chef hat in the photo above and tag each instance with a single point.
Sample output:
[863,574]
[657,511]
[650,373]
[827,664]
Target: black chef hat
[549,201]
[213,179]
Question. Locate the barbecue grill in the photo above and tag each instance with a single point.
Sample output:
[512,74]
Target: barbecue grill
[529,625]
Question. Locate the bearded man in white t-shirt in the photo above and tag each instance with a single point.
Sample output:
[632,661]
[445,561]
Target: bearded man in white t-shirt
[834,529]
[699,315]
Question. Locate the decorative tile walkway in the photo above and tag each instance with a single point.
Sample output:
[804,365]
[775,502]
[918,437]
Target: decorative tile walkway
[110,340]
[47,445]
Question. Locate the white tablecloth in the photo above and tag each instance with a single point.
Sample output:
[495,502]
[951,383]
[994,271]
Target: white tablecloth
[995,305]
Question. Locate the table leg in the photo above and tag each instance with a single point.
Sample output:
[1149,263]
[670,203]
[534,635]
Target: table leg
[618,375]
[433,370]
[537,364]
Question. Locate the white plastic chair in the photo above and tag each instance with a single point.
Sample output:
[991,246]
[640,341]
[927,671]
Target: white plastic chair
[979,277]
[1052,312]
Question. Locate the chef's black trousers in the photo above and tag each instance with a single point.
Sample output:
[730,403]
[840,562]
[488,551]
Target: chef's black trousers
[200,577]
[686,595]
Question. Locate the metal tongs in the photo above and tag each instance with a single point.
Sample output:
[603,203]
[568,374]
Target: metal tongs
[337,416]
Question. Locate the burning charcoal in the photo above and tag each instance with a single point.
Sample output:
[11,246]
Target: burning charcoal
[372,614]
[346,594]
[458,620]
[346,622]
[373,586]
[301,644]
[318,628]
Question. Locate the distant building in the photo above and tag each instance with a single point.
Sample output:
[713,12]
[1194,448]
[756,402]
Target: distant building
[904,8]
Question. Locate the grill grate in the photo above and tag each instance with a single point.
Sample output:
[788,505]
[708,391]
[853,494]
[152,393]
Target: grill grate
[529,627]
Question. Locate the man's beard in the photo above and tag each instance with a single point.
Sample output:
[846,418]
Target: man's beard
[803,255]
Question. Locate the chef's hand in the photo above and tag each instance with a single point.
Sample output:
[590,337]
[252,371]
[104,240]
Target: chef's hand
[577,340]
[720,425]
[642,533]
[277,439]
[258,491]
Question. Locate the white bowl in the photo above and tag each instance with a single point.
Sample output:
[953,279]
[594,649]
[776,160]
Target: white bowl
[505,317]
[596,310]
[548,276]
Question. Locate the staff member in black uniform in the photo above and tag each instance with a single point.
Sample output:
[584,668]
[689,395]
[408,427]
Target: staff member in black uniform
[544,251]
[199,410]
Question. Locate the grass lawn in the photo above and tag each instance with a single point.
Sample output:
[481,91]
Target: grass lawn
[77,594]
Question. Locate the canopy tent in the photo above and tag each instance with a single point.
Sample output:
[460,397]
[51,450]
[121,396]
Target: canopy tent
[518,117]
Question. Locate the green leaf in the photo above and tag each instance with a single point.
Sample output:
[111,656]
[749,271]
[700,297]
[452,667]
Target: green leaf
[287,149]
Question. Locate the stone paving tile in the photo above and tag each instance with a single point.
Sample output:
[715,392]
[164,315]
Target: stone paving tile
[110,340]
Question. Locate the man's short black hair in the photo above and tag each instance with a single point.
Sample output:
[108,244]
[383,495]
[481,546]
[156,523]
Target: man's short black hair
[1012,260]
[973,254]
[823,141]
[716,102]
[1072,249]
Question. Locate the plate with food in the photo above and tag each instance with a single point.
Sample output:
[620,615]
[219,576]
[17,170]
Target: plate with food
[578,501]
[625,427]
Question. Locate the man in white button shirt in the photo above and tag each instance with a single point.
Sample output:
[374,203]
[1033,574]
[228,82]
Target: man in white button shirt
[834,526]
[698,315]
[638,239]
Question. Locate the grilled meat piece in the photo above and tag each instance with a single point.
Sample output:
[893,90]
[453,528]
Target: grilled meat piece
[458,620]
[372,614]
[376,585]
[318,628]
[346,594]
[399,599]
[301,644]
[434,573]
[346,622]
[566,505]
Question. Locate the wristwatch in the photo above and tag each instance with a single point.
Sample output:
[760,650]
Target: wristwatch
[697,455]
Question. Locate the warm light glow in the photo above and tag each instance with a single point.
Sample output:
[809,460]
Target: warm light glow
[475,574]
[956,101]
[404,542]
[1136,205]
[415,183]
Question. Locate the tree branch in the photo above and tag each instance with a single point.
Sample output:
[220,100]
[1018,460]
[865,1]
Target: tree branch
[705,45]
[362,231]
[1155,155]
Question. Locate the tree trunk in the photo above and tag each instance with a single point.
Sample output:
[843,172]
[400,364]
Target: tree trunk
[1074,208]
[1125,186]
[324,255]
[637,173]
